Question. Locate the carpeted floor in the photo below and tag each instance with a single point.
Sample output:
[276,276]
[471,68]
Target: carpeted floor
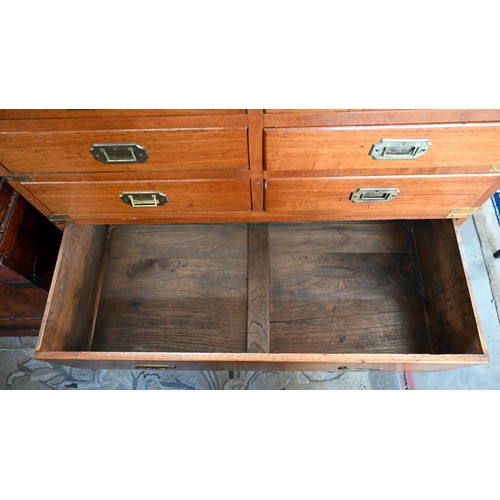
[18,370]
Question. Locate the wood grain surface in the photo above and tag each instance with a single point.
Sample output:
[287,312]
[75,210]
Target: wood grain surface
[174,288]
[323,118]
[258,288]
[453,322]
[461,147]
[264,361]
[302,111]
[167,149]
[28,196]
[6,192]
[26,237]
[136,123]
[335,288]
[70,305]
[256,154]
[104,197]
[231,217]
[10,224]
[21,309]
[172,175]
[3,170]
[418,194]
[33,114]
[488,193]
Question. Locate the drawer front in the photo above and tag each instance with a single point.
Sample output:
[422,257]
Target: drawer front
[437,195]
[332,296]
[64,152]
[454,149]
[75,198]
[264,362]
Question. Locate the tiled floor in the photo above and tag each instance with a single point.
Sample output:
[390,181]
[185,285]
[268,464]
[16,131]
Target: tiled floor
[476,377]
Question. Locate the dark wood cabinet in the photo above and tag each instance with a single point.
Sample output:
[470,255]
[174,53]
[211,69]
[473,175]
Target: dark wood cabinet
[29,245]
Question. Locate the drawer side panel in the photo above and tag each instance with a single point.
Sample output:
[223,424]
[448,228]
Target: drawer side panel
[68,317]
[454,324]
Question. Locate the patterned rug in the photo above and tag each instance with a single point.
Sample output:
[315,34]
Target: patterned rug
[18,370]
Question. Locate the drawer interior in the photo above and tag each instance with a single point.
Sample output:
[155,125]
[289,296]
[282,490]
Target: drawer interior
[174,289]
[388,287]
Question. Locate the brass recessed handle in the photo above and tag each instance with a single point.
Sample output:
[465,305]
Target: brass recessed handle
[399,149]
[374,195]
[119,153]
[144,199]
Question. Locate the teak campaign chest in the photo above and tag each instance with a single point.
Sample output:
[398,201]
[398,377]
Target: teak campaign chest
[257,239]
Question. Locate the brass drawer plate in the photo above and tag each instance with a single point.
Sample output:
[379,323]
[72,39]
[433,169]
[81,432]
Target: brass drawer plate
[461,213]
[400,149]
[144,200]
[18,178]
[374,195]
[119,153]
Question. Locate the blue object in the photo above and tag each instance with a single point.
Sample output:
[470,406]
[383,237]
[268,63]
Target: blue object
[496,205]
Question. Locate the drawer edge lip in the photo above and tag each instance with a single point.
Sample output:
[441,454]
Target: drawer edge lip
[305,174]
[247,216]
[389,127]
[395,117]
[262,358]
[134,124]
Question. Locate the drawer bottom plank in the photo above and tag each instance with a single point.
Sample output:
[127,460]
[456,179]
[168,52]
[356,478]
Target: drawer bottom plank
[332,285]
[258,288]
[172,289]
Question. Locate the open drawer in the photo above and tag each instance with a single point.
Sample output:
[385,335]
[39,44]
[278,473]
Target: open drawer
[379,295]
